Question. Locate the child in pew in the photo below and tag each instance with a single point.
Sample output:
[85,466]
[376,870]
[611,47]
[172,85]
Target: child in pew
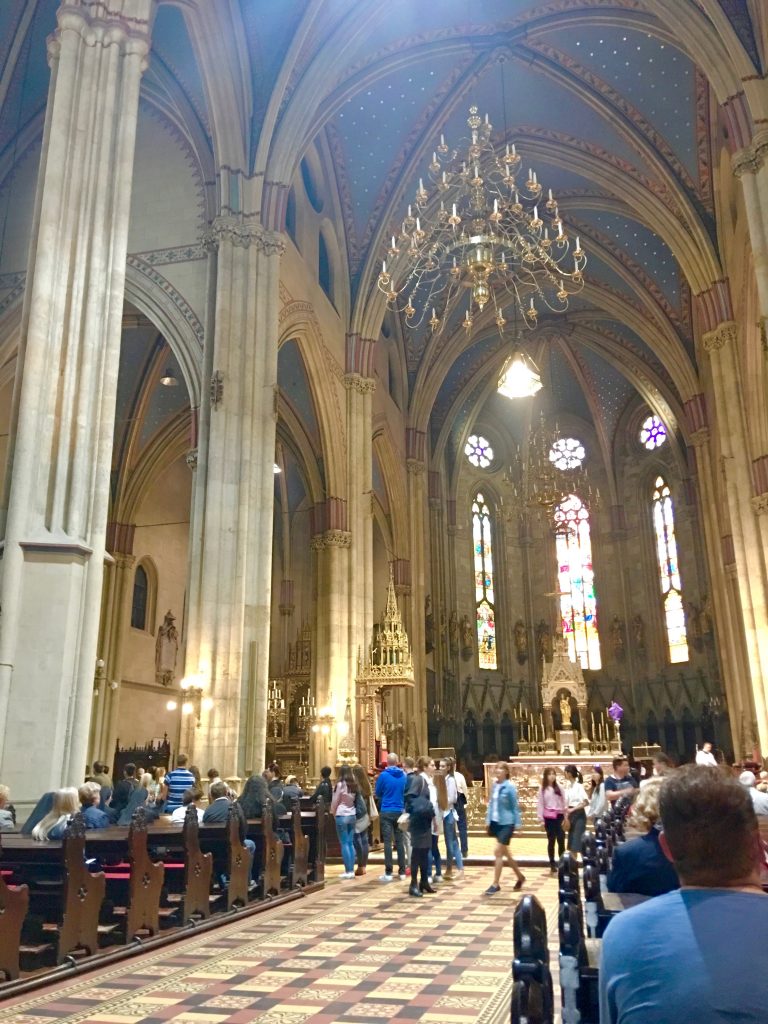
[193,795]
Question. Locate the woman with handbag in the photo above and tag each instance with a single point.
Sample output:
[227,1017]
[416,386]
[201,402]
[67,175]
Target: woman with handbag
[551,811]
[344,814]
[503,818]
[418,806]
[362,818]
[450,822]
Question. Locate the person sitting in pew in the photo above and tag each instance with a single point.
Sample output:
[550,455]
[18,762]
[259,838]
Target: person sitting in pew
[640,865]
[122,792]
[690,954]
[254,796]
[193,795]
[7,813]
[90,795]
[52,826]
[292,790]
[217,810]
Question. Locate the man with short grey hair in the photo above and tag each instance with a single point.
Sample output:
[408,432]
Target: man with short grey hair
[390,787]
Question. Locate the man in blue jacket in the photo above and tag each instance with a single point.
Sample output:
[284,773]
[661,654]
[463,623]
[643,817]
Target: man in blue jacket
[389,790]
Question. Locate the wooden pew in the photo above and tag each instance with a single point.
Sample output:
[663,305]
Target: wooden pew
[528,1003]
[300,865]
[531,960]
[272,853]
[198,867]
[83,895]
[14,903]
[238,861]
[318,841]
[146,881]
[579,964]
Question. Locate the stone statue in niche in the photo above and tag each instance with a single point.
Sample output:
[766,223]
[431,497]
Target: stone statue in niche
[453,633]
[429,626]
[617,638]
[693,625]
[544,641]
[638,632]
[521,641]
[705,617]
[565,713]
[467,644]
[166,650]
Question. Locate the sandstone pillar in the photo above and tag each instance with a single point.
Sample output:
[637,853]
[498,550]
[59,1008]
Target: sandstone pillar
[417,525]
[230,580]
[59,461]
[748,547]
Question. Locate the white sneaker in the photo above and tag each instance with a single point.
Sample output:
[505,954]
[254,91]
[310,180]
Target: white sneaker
[347,874]
[386,878]
[437,879]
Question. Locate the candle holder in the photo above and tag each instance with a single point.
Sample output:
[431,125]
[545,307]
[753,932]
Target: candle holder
[277,714]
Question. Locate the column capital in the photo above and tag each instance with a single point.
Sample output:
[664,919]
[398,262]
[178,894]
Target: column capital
[122,22]
[243,232]
[191,459]
[333,539]
[724,334]
[760,504]
[700,437]
[123,561]
[363,385]
[751,158]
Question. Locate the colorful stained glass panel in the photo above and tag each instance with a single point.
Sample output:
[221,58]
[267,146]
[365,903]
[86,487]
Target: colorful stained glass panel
[576,580]
[669,572]
[484,591]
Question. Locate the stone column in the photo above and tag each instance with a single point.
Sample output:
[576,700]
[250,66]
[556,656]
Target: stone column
[749,552]
[115,624]
[230,583]
[60,455]
[417,526]
[330,655]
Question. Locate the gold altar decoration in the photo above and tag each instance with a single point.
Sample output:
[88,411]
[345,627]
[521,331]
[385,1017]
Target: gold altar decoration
[389,664]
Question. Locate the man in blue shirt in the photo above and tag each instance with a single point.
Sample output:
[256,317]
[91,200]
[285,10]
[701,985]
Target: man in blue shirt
[177,783]
[696,953]
[389,790]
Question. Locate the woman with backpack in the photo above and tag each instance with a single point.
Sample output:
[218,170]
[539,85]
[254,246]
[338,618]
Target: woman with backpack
[418,806]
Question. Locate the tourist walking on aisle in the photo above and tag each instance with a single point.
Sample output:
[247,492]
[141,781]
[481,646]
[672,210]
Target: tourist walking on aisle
[503,818]
[343,811]
[576,803]
[418,806]
[362,823]
[551,811]
[390,793]
[450,821]
[596,794]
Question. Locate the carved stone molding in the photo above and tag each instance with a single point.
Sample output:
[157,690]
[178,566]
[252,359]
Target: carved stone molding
[750,159]
[123,561]
[700,437]
[191,458]
[331,539]
[363,385]
[760,504]
[724,334]
[242,233]
[415,466]
[100,25]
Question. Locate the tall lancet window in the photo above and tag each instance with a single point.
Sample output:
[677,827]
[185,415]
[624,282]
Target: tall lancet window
[576,582]
[669,570]
[485,604]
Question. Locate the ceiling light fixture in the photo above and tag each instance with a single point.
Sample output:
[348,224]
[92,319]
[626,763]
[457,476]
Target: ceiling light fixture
[520,377]
[169,378]
[479,228]
[276,469]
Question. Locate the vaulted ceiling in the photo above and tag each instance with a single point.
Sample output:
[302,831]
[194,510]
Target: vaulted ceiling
[610,100]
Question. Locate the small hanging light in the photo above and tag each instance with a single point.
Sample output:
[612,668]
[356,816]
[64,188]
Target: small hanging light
[520,377]
[169,378]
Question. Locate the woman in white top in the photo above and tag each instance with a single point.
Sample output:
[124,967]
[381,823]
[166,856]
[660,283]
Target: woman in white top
[596,793]
[191,796]
[576,802]
[450,820]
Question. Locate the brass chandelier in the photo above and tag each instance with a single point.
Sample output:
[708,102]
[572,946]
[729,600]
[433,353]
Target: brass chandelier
[476,225]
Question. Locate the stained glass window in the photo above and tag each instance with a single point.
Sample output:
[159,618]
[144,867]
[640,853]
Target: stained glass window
[653,433]
[576,579]
[478,451]
[567,453]
[484,594]
[666,550]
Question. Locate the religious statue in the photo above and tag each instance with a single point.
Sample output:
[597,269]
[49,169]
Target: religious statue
[617,638]
[565,713]
[429,626]
[453,633]
[467,644]
[166,650]
[638,632]
[544,641]
[521,641]
[693,625]
[705,617]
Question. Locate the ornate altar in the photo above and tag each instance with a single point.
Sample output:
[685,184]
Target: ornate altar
[389,664]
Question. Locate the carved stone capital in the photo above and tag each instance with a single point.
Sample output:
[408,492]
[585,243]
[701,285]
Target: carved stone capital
[415,466]
[363,385]
[286,609]
[760,504]
[724,334]
[243,234]
[123,561]
[191,458]
[750,159]
[337,538]
[700,437]
[122,23]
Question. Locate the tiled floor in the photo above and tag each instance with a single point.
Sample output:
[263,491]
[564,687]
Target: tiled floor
[357,953]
